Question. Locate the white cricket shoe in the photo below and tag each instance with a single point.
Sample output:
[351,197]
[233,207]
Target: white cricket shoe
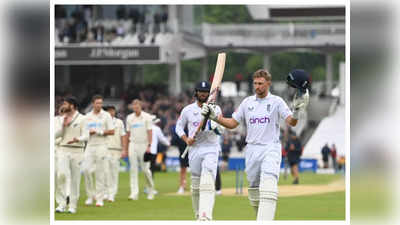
[155,192]
[150,196]
[60,209]
[219,192]
[181,190]
[99,203]
[89,201]
[133,197]
[110,199]
[72,210]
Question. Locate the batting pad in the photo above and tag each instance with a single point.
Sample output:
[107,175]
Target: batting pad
[268,198]
[195,195]
[254,197]
[207,195]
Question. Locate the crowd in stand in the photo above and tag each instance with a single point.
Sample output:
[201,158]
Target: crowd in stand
[83,25]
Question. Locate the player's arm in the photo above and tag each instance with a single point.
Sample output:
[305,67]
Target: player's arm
[84,134]
[179,129]
[229,123]
[149,134]
[212,111]
[125,140]
[109,126]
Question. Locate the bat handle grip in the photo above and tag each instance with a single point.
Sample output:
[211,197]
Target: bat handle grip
[205,119]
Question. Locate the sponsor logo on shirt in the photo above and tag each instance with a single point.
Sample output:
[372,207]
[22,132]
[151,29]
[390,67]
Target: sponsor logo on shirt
[137,125]
[196,124]
[259,120]
[251,108]
[93,125]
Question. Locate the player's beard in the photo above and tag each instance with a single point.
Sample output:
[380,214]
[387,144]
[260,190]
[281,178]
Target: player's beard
[200,99]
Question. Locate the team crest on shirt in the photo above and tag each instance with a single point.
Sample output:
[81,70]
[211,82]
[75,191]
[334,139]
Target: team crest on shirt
[268,107]
[251,108]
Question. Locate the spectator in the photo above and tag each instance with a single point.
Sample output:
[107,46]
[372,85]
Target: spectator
[294,151]
[226,150]
[134,16]
[333,155]
[325,155]
[238,80]
[121,12]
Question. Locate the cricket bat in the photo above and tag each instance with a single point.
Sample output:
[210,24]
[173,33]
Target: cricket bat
[212,97]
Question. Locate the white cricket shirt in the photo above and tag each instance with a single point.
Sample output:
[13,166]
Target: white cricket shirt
[99,122]
[114,141]
[157,136]
[191,117]
[138,127]
[262,117]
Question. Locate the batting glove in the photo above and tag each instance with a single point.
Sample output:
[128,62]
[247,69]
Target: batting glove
[300,103]
[210,110]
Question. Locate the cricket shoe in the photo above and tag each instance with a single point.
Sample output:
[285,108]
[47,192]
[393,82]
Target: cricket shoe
[150,196]
[99,203]
[110,199]
[72,210]
[133,197]
[60,209]
[219,192]
[89,201]
[181,190]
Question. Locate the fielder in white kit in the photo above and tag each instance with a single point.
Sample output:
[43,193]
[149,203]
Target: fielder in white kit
[139,134]
[100,125]
[73,133]
[261,114]
[113,155]
[203,153]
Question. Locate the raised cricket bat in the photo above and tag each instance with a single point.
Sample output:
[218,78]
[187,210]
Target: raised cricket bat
[212,97]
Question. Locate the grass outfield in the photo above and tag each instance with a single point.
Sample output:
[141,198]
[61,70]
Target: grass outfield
[327,206]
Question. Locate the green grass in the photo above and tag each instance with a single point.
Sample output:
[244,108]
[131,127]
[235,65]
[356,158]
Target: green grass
[329,206]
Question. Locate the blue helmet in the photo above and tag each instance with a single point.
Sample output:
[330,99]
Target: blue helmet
[203,86]
[298,79]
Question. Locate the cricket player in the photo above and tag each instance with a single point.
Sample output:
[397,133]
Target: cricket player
[261,114]
[73,133]
[113,155]
[100,125]
[157,137]
[203,153]
[139,130]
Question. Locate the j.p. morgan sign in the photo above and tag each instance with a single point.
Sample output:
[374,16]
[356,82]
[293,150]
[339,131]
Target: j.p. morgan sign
[106,53]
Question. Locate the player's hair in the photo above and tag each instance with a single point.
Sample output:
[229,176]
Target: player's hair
[95,97]
[136,101]
[111,107]
[262,73]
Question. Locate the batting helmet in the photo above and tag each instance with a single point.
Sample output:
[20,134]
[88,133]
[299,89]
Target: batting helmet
[203,86]
[298,79]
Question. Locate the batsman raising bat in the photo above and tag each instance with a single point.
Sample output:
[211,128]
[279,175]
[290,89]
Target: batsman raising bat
[261,114]
[203,142]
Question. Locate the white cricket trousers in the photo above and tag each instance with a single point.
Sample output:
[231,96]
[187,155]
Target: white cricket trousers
[136,154]
[94,165]
[69,160]
[112,172]
[203,163]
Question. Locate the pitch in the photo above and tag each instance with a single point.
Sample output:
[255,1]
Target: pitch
[318,197]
